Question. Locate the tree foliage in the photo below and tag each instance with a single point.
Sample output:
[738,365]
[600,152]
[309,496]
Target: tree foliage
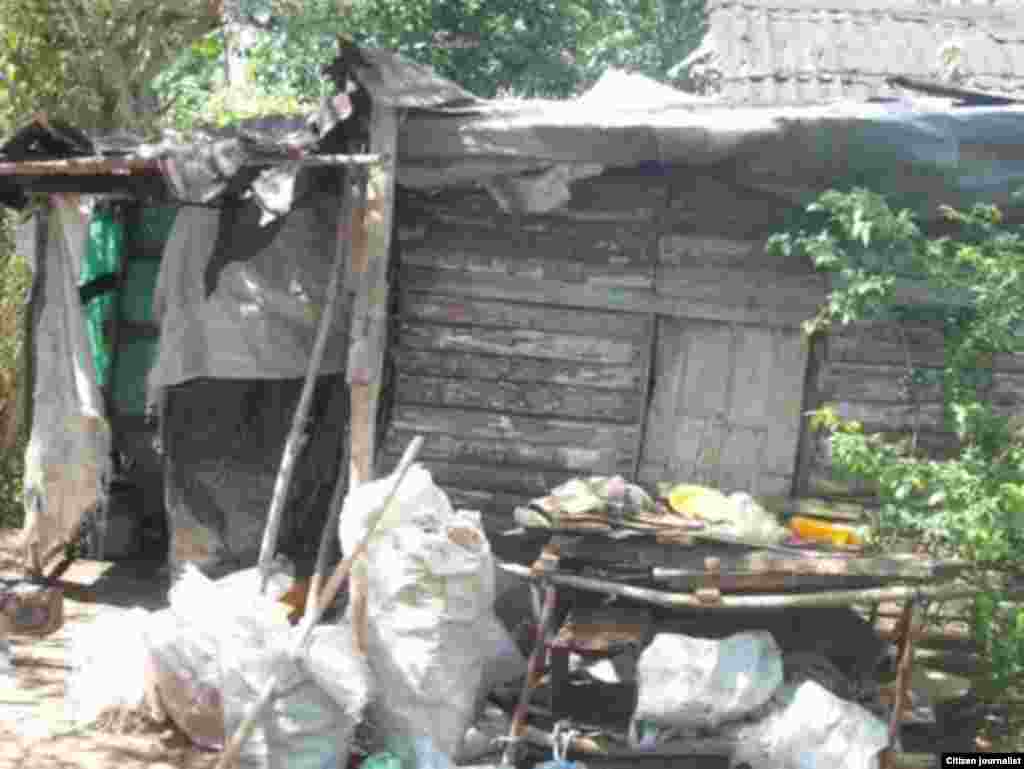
[93,62]
[971,504]
[522,48]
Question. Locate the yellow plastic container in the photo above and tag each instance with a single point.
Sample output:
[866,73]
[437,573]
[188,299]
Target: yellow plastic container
[701,502]
[817,530]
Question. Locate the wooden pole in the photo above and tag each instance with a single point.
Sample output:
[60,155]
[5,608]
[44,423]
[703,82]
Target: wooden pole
[102,165]
[370,311]
[905,661]
[329,534]
[297,436]
[233,748]
[746,602]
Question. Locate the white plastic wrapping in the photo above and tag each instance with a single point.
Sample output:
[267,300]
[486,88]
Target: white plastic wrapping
[260,320]
[430,576]
[306,726]
[697,683]
[808,727]
[67,461]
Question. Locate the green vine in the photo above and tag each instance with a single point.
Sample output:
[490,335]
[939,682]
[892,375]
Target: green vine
[971,504]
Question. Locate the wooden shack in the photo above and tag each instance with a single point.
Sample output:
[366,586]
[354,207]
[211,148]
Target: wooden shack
[583,288]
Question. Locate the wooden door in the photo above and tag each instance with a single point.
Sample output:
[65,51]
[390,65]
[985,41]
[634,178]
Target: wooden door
[725,408]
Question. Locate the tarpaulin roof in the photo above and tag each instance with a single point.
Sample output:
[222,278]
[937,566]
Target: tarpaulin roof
[924,152]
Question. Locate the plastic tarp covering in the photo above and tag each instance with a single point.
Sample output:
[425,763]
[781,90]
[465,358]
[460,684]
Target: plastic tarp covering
[235,300]
[103,258]
[923,152]
[67,462]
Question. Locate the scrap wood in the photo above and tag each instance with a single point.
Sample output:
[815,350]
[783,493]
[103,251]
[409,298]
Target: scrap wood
[819,599]
[298,436]
[232,750]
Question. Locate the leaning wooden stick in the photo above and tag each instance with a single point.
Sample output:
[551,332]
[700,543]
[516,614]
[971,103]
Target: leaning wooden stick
[329,535]
[233,748]
[297,436]
[821,599]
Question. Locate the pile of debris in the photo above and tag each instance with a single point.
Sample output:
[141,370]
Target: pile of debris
[427,665]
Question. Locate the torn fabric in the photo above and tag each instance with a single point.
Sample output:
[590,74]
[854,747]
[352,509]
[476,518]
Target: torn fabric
[67,462]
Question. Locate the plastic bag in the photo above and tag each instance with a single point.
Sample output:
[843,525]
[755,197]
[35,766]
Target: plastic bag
[108,666]
[303,727]
[808,727]
[697,683]
[183,643]
[430,594]
[332,662]
[753,523]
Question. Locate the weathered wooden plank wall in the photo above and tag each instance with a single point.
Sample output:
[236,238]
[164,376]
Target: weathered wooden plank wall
[645,328]
[523,343]
[862,373]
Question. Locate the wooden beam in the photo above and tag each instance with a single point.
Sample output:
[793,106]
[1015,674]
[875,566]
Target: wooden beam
[370,263]
[101,165]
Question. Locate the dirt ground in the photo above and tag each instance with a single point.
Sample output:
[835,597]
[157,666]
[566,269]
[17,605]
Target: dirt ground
[35,732]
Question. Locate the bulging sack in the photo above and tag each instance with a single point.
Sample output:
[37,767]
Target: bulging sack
[430,594]
[808,727]
[697,683]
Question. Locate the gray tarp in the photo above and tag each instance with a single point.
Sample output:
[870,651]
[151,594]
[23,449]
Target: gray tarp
[924,153]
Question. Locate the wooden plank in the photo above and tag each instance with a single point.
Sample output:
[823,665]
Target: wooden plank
[526,482]
[499,367]
[690,249]
[492,426]
[1007,388]
[596,243]
[893,416]
[735,560]
[547,292]
[500,505]
[480,259]
[618,196]
[517,398]
[883,343]
[773,485]
[740,462]
[872,383]
[472,312]
[457,450]
[743,286]
[669,361]
[704,388]
[521,342]
[1009,363]
[369,315]
[709,205]
[768,378]
[592,243]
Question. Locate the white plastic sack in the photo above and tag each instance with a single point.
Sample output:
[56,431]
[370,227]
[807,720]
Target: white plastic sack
[811,728]
[304,727]
[67,461]
[698,683]
[183,643]
[108,666]
[430,577]
[333,663]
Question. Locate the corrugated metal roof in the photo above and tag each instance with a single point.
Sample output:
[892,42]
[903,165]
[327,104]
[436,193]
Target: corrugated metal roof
[783,52]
